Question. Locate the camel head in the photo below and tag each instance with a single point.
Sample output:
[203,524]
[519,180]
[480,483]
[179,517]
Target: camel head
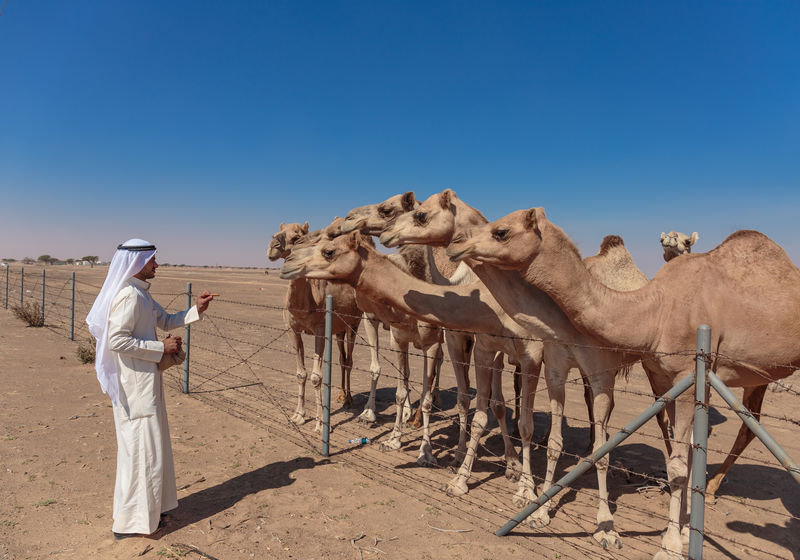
[430,223]
[676,244]
[285,239]
[509,243]
[373,218]
[327,259]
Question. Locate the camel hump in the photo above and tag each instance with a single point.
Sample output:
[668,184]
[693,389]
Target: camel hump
[609,242]
[749,241]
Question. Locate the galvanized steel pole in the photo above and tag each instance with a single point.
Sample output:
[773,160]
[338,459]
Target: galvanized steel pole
[587,463]
[755,427]
[42,297]
[188,336]
[699,446]
[326,379]
[72,310]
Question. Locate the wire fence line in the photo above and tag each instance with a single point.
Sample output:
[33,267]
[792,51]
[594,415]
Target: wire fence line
[238,364]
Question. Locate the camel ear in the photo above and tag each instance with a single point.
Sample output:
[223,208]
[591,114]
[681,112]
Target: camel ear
[281,226]
[408,201]
[533,218]
[305,227]
[354,239]
[693,239]
[445,198]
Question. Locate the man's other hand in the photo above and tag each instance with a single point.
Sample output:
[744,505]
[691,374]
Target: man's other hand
[172,344]
[203,300]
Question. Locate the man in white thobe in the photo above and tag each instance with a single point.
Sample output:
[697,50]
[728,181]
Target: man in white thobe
[127,364]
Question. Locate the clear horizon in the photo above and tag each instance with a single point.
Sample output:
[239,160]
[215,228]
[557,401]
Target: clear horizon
[202,126]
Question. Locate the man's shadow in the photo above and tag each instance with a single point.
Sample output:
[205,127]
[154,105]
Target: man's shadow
[208,502]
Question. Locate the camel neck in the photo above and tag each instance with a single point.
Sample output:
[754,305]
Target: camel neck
[615,318]
[456,307]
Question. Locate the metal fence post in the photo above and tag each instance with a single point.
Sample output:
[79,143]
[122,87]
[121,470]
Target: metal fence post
[188,337]
[42,297]
[72,310]
[326,380]
[699,446]
[21,285]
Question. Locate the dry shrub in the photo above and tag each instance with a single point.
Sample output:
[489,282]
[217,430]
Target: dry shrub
[86,351]
[31,313]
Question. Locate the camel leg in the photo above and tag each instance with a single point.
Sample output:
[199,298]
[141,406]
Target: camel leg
[602,387]
[498,405]
[299,416]
[401,396]
[556,378]
[341,395]
[753,399]
[347,364]
[371,326]
[429,372]
[661,418]
[436,355]
[529,379]
[483,381]
[459,347]
[678,475]
[316,376]
[517,397]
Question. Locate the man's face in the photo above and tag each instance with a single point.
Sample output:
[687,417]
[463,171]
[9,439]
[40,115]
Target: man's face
[149,270]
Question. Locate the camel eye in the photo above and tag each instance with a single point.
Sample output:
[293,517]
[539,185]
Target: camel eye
[385,212]
[500,234]
[328,254]
[421,218]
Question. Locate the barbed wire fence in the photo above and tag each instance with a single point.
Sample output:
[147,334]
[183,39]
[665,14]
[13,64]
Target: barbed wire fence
[238,364]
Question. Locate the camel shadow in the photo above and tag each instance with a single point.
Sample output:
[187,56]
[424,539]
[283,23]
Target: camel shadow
[772,483]
[210,501]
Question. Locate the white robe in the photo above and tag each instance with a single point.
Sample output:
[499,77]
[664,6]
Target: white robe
[145,483]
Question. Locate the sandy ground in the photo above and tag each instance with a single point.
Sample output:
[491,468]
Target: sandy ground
[254,486]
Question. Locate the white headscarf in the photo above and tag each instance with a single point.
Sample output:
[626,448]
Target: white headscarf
[128,260]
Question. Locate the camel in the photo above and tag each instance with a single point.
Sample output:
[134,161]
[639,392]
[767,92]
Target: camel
[676,244]
[350,259]
[431,266]
[436,221]
[304,313]
[746,289]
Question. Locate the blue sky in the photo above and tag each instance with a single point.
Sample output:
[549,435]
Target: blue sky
[201,126]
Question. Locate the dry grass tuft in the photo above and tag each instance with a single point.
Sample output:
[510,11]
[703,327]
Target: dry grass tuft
[31,313]
[86,351]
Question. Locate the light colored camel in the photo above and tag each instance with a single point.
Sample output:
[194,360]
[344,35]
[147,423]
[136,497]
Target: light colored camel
[350,259]
[430,266]
[304,313]
[676,244]
[746,289]
[443,216]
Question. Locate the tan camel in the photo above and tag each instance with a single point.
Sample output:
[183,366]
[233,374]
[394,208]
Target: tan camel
[436,221]
[425,264]
[746,289]
[304,313]
[676,244]
[350,259]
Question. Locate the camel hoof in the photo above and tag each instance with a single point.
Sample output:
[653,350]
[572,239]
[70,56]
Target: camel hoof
[367,416]
[318,427]
[540,518]
[298,418]
[427,460]
[347,402]
[513,470]
[341,396]
[391,445]
[523,498]
[608,539]
[456,488]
